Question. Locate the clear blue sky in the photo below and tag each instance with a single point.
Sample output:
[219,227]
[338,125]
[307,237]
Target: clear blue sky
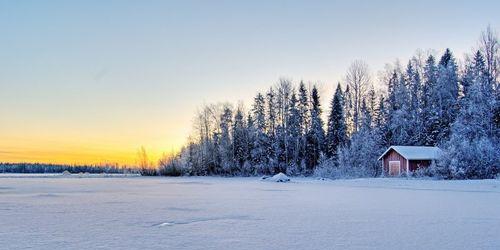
[94,80]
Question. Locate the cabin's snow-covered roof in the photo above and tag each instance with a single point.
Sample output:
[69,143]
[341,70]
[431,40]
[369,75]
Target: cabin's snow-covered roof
[415,152]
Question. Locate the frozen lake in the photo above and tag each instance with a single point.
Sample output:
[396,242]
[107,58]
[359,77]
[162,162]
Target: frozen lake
[246,213]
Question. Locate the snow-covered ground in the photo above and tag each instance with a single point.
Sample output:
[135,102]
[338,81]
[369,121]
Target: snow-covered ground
[246,213]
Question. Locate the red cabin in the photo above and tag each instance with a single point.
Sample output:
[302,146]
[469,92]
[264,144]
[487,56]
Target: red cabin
[397,160]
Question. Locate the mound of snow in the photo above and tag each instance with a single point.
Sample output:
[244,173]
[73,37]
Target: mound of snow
[83,175]
[66,173]
[280,178]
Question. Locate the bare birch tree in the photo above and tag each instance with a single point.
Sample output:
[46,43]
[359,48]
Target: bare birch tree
[358,79]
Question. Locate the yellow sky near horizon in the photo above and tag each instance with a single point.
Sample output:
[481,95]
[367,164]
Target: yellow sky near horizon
[75,153]
[63,147]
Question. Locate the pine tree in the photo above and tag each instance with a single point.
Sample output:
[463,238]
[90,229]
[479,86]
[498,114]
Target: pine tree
[391,90]
[381,129]
[413,84]
[259,151]
[366,116]
[316,136]
[303,107]
[348,106]
[429,111]
[251,131]
[284,89]
[336,128]
[294,136]
[445,95]
[225,142]
[467,78]
[259,112]
[272,148]
[304,120]
[399,129]
[240,137]
[271,112]
[372,102]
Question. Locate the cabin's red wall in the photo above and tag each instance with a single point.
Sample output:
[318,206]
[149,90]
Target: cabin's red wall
[392,155]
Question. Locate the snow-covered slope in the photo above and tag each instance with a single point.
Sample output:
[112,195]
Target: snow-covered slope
[245,213]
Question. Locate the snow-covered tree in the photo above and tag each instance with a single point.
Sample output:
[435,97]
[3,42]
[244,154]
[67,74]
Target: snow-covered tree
[490,49]
[251,132]
[413,83]
[303,107]
[315,137]
[348,107]
[225,142]
[445,96]
[358,79]
[304,120]
[240,137]
[294,137]
[336,128]
[429,112]
[399,129]
[271,111]
[471,151]
[259,152]
[358,159]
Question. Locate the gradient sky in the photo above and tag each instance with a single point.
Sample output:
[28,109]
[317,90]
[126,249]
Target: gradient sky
[92,81]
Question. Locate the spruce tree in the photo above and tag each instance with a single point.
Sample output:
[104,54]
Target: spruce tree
[259,112]
[225,141]
[240,137]
[259,151]
[303,107]
[348,112]
[336,129]
[399,129]
[445,95]
[414,88]
[316,136]
[304,120]
[429,108]
[294,136]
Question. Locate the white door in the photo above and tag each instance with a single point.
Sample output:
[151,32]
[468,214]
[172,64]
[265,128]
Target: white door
[394,168]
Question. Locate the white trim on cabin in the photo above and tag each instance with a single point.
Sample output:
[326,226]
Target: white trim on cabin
[383,169]
[407,168]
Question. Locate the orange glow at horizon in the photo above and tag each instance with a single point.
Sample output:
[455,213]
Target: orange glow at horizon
[78,155]
[65,148]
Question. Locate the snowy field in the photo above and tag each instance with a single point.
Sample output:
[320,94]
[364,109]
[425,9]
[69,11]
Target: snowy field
[70,212]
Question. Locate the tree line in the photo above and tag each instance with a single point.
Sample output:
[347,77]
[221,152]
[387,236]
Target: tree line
[429,101]
[38,168]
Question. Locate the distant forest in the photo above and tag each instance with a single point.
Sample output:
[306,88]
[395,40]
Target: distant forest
[431,100]
[34,168]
